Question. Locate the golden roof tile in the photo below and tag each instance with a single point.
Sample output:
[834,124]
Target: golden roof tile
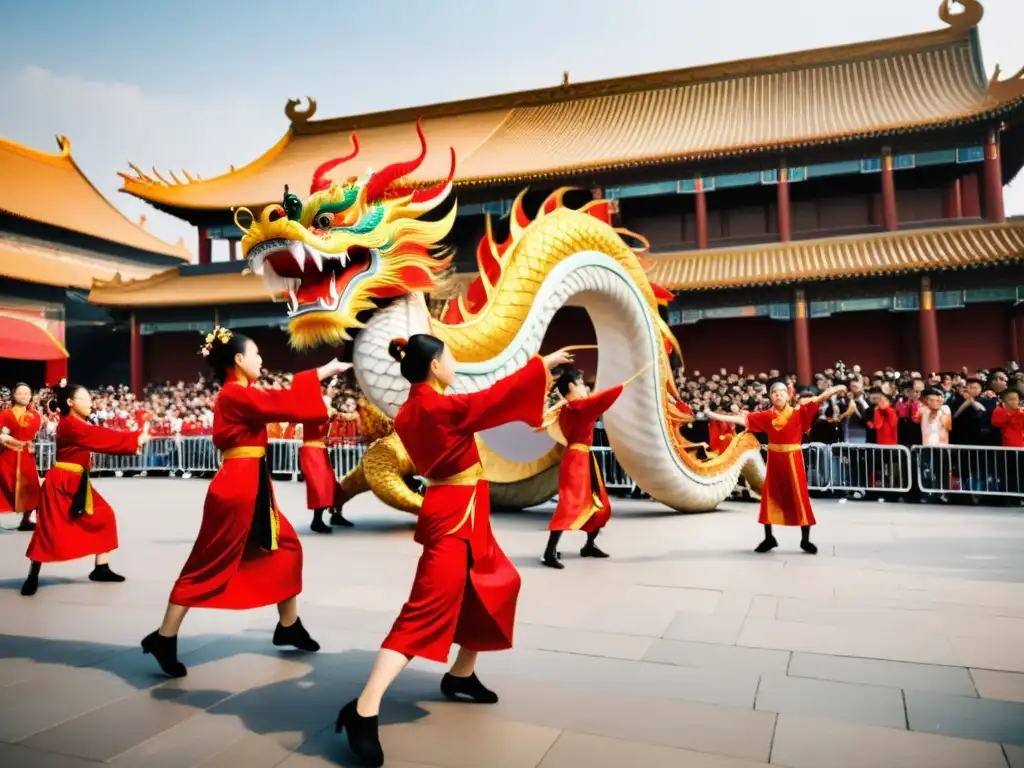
[51,189]
[32,261]
[170,288]
[802,261]
[881,87]
[918,250]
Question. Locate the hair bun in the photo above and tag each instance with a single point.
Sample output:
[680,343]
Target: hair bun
[397,349]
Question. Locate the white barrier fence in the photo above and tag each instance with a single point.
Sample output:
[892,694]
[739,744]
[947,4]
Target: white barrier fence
[840,467]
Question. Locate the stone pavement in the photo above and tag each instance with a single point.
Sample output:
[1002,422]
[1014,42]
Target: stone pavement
[900,645]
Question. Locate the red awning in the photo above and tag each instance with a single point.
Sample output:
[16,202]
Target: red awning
[23,339]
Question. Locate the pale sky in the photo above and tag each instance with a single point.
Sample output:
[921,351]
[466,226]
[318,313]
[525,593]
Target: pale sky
[200,85]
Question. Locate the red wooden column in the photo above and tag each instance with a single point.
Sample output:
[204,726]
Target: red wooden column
[970,196]
[205,246]
[233,249]
[785,217]
[700,202]
[138,380]
[929,329]
[954,207]
[802,340]
[890,220]
[994,209]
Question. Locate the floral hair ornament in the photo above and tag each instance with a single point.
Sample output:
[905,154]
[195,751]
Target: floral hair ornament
[223,335]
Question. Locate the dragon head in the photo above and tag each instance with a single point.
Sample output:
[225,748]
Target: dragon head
[349,244]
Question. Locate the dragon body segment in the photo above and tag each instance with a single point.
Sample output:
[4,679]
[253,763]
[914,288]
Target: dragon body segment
[351,247]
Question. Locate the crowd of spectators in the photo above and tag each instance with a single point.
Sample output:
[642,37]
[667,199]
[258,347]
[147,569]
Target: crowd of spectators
[186,408]
[888,407]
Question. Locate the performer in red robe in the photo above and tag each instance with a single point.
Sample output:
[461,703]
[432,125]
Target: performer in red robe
[74,520]
[247,554]
[465,588]
[321,482]
[784,498]
[19,476]
[582,499]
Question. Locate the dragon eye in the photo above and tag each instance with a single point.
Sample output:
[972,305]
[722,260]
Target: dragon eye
[323,220]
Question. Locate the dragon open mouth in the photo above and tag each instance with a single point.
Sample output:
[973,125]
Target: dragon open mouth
[309,279]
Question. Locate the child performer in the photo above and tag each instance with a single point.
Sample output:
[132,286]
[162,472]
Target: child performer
[73,519]
[247,554]
[19,476]
[784,498]
[315,464]
[582,500]
[465,588]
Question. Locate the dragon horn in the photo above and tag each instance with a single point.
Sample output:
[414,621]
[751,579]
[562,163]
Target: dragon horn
[378,184]
[426,195]
[319,182]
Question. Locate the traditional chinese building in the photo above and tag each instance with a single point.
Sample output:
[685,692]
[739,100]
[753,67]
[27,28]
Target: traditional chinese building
[57,235]
[844,202]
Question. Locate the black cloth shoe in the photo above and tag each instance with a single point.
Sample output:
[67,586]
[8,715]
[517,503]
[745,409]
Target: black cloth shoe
[339,519]
[363,738]
[467,689]
[295,636]
[319,526]
[808,547]
[30,586]
[552,560]
[26,525]
[767,545]
[165,651]
[592,550]
[103,573]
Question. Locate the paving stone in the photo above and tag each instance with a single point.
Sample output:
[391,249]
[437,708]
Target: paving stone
[967,718]
[869,704]
[895,674]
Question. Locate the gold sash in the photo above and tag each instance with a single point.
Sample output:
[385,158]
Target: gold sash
[78,469]
[470,476]
[785,447]
[244,452]
[314,444]
[580,447]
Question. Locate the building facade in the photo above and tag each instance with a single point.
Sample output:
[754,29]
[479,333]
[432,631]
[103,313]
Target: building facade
[839,203]
[57,235]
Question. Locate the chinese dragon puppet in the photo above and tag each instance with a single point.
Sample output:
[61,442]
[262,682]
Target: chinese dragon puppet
[360,253]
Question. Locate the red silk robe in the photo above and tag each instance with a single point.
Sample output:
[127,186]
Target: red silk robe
[19,476]
[59,535]
[247,554]
[315,465]
[465,588]
[784,499]
[720,435]
[582,500]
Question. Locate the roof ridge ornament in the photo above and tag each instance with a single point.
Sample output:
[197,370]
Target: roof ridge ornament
[65,145]
[300,116]
[1010,89]
[967,19]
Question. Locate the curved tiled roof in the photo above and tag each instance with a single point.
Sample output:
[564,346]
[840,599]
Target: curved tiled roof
[170,288]
[33,261]
[937,249]
[877,88]
[51,189]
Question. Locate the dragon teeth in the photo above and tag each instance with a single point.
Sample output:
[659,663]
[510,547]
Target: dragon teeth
[298,252]
[334,290]
[316,256]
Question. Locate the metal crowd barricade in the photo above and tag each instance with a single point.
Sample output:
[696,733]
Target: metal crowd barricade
[612,472]
[283,457]
[46,454]
[973,470]
[816,465]
[345,456]
[870,468]
[197,456]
